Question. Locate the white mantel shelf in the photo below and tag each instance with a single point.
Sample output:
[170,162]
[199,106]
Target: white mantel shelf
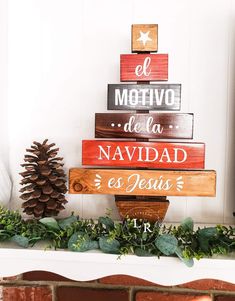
[94,265]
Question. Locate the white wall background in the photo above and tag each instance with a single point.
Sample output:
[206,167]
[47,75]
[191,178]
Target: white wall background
[3,83]
[62,54]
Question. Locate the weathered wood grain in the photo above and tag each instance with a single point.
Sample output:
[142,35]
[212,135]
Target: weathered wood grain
[144,67]
[144,37]
[152,126]
[150,210]
[161,97]
[142,182]
[163,155]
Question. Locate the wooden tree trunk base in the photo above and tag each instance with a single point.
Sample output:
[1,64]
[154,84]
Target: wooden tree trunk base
[152,209]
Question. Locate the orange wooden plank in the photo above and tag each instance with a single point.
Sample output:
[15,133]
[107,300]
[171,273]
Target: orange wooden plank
[142,182]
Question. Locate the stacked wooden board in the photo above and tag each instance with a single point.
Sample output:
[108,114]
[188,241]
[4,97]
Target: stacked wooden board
[142,173]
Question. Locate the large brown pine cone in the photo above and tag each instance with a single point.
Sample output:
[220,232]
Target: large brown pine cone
[44,181]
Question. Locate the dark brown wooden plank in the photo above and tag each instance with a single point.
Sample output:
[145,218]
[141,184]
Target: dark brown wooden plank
[143,198]
[162,155]
[152,211]
[144,67]
[142,182]
[161,97]
[152,126]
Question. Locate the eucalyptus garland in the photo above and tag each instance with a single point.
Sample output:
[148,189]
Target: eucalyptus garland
[130,236]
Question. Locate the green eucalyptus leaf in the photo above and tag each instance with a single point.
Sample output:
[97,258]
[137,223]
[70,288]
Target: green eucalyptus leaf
[81,242]
[93,245]
[142,253]
[50,222]
[187,261]
[107,221]
[204,244]
[20,240]
[145,236]
[108,245]
[66,222]
[167,244]
[187,224]
[208,233]
[204,237]
[72,241]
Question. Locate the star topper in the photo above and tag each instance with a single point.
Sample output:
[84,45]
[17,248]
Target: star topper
[144,37]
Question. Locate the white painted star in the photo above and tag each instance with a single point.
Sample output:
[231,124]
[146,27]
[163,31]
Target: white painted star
[144,37]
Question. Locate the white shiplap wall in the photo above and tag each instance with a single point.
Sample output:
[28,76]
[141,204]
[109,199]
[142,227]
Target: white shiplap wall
[62,54]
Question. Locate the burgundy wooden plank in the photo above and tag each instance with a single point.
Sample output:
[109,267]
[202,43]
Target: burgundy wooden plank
[143,67]
[152,126]
[162,155]
[161,97]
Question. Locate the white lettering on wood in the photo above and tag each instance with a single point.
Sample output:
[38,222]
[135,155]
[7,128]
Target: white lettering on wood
[141,70]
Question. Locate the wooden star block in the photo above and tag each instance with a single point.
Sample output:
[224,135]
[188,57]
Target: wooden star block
[144,37]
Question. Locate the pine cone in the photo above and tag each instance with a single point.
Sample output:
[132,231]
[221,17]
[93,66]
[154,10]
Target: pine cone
[43,180]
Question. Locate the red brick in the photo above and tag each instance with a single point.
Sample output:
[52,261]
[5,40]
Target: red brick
[24,293]
[126,280]
[87,294]
[225,298]
[43,276]
[209,284]
[157,296]
[13,278]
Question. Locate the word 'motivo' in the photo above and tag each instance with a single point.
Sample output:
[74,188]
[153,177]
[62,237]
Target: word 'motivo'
[144,97]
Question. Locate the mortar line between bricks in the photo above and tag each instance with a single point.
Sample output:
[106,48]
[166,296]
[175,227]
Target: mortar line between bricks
[175,289]
[179,290]
[131,294]
[53,293]
[65,284]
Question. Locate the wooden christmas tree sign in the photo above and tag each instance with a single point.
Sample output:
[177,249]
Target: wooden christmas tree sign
[153,126]
[142,173]
[161,97]
[142,182]
[167,155]
[144,67]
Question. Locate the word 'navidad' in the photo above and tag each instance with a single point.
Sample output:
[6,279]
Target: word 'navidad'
[143,154]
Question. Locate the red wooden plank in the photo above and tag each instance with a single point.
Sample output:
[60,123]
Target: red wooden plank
[152,126]
[164,155]
[144,67]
